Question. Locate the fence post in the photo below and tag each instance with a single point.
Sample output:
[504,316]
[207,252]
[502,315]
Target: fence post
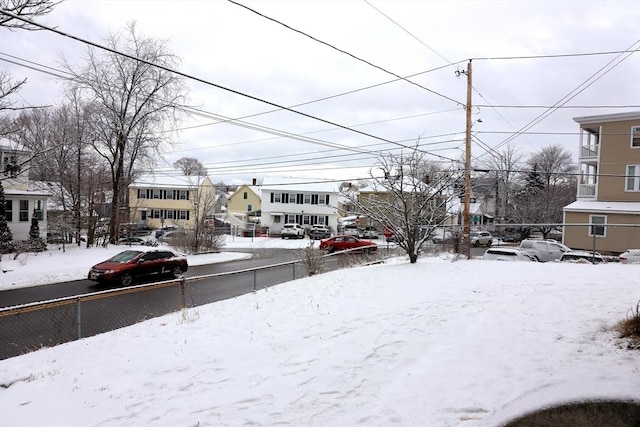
[255,279]
[183,296]
[78,319]
[294,270]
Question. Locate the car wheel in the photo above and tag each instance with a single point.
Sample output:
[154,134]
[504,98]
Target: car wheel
[126,279]
[331,249]
[176,272]
[489,243]
[476,243]
[366,251]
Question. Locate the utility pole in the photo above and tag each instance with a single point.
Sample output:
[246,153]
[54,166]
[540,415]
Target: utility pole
[467,169]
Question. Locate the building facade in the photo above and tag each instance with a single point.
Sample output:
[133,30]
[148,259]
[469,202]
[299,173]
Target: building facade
[22,204]
[608,193]
[179,201]
[301,201]
[245,203]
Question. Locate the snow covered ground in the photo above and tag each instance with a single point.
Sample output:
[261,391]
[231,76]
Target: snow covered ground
[437,343]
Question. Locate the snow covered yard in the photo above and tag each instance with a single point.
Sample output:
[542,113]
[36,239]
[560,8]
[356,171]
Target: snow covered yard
[437,343]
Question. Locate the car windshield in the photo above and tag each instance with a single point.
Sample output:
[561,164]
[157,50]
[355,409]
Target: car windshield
[124,256]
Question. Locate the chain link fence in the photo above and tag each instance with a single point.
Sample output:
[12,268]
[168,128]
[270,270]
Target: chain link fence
[30,327]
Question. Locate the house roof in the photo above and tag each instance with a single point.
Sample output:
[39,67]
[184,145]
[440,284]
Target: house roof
[254,188]
[632,208]
[26,193]
[299,184]
[617,117]
[166,181]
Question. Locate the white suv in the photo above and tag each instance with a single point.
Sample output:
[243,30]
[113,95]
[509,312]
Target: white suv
[477,238]
[292,231]
[544,250]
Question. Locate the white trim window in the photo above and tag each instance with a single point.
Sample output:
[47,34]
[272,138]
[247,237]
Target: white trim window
[632,178]
[598,226]
[635,136]
[292,197]
[307,199]
[276,198]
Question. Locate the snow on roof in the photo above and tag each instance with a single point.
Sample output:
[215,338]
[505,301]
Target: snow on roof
[300,184]
[597,206]
[166,181]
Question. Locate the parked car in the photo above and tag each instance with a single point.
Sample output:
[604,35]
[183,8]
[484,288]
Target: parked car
[368,233]
[630,256]
[442,235]
[507,254]
[170,235]
[344,242]
[318,232]
[544,250]
[582,256]
[128,266]
[350,230]
[135,241]
[160,231]
[292,231]
[477,238]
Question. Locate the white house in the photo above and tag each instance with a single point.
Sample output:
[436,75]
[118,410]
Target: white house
[21,203]
[298,200]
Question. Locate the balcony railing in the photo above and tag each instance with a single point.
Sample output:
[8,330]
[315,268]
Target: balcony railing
[589,151]
[587,191]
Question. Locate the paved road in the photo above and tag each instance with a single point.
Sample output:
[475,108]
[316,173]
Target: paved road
[260,258]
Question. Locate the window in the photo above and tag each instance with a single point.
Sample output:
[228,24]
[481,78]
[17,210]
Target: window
[632,178]
[170,194]
[305,220]
[143,215]
[245,195]
[183,195]
[598,225]
[156,194]
[276,198]
[307,199]
[24,210]
[183,215]
[635,137]
[142,194]
[171,214]
[155,213]
[292,197]
[249,208]
[39,214]
[8,210]
[322,199]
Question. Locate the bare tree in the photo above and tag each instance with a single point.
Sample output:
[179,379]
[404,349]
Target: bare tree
[190,166]
[503,167]
[28,9]
[554,163]
[408,195]
[135,102]
[8,87]
[549,187]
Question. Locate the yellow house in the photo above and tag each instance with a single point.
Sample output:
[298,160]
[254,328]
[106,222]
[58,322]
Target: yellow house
[607,209]
[244,202]
[181,201]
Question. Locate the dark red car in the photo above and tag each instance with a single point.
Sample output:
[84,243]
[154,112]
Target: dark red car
[344,242]
[128,266]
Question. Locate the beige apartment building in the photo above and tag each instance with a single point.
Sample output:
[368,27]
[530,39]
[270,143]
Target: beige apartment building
[167,200]
[608,193]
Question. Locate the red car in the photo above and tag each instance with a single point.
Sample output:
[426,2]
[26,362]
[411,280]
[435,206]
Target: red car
[344,242]
[127,266]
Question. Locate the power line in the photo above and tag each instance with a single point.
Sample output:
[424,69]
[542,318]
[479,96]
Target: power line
[346,53]
[201,80]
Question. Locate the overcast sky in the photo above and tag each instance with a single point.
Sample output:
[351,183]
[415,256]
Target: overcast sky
[225,44]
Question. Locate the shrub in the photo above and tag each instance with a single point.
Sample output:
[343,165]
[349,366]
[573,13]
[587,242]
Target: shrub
[312,258]
[629,328]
